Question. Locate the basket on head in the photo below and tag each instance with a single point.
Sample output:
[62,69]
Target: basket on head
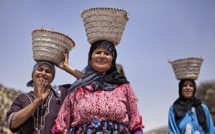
[187,68]
[48,45]
[104,24]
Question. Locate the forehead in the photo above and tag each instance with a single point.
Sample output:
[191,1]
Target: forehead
[188,82]
[101,48]
[45,66]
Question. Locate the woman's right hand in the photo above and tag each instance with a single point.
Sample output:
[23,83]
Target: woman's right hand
[41,90]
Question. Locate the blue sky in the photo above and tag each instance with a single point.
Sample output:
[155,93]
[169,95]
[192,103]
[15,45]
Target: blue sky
[156,30]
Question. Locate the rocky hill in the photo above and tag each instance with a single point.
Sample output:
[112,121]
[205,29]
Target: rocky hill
[162,130]
[6,97]
[206,92]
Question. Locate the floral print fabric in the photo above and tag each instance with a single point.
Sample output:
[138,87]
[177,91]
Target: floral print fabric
[81,106]
[100,127]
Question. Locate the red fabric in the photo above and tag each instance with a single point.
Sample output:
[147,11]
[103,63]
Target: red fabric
[118,105]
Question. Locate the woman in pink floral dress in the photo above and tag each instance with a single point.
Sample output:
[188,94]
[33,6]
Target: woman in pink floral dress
[102,101]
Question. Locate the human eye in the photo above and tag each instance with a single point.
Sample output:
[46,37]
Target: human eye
[98,52]
[39,69]
[48,71]
[106,53]
[184,85]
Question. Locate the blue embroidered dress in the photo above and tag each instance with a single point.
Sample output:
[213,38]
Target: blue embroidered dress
[189,123]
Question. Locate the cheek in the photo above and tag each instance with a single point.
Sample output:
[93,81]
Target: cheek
[50,76]
[110,59]
[35,74]
[183,91]
[93,57]
[193,92]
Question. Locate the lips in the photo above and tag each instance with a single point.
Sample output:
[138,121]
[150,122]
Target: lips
[43,78]
[101,62]
[188,92]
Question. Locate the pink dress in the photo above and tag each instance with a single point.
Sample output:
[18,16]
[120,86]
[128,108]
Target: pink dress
[81,106]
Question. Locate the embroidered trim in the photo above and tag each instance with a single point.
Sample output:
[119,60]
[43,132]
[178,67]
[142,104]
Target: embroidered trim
[41,112]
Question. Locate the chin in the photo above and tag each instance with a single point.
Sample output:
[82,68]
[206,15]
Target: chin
[101,71]
[188,97]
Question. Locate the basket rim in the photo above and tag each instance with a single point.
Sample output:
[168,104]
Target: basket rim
[103,8]
[184,59]
[52,31]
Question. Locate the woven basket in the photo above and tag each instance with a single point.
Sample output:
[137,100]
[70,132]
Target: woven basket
[104,24]
[187,68]
[48,45]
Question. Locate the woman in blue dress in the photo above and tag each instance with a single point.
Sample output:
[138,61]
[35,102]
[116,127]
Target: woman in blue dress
[188,115]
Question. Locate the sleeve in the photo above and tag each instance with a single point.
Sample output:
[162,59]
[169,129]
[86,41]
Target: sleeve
[15,107]
[62,122]
[210,123]
[133,113]
[172,126]
[137,131]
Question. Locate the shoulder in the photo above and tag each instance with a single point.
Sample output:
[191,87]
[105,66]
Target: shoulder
[21,96]
[64,89]
[171,109]
[125,86]
[65,85]
[21,100]
[204,106]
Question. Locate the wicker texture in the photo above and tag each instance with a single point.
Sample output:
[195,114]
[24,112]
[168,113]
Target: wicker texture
[187,68]
[104,24]
[48,45]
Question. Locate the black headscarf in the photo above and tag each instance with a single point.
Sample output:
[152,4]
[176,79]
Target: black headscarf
[182,105]
[105,81]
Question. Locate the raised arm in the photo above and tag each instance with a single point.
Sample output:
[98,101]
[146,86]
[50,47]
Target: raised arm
[24,114]
[66,67]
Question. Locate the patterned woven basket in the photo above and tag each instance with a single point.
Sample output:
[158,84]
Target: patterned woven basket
[104,24]
[187,68]
[48,45]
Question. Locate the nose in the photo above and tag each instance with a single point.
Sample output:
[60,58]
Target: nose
[102,55]
[43,72]
[189,87]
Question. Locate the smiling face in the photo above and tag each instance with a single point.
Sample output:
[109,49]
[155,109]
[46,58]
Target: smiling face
[101,59]
[43,71]
[188,89]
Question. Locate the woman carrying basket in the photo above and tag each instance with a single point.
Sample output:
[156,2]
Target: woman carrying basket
[188,115]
